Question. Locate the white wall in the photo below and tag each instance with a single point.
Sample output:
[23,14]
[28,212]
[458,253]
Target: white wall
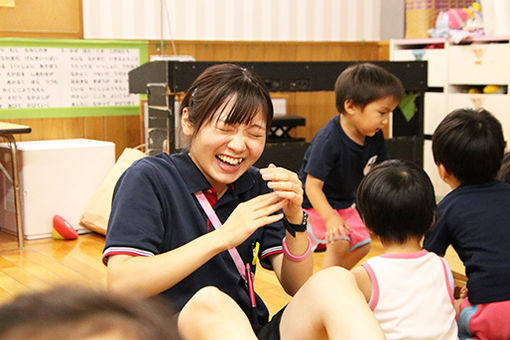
[241,20]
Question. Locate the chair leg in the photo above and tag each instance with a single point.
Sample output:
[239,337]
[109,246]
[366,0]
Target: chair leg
[17,190]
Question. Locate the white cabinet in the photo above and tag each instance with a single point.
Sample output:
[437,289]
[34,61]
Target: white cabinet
[479,63]
[455,74]
[418,49]
[58,177]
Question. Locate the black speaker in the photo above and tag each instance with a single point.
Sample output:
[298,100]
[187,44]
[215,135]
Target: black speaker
[407,148]
[287,155]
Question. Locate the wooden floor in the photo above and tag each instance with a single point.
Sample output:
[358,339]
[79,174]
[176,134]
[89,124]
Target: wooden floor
[47,262]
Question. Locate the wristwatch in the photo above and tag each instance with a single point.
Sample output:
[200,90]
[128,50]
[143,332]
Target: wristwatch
[293,228]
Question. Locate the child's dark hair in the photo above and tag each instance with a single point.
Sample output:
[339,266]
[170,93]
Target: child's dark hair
[76,312]
[396,200]
[504,171]
[363,83]
[220,83]
[470,145]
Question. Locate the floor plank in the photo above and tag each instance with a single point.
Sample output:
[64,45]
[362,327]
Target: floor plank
[47,262]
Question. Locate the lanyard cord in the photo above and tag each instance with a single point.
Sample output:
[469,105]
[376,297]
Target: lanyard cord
[217,224]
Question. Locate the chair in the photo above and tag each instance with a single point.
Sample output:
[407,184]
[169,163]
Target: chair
[7,130]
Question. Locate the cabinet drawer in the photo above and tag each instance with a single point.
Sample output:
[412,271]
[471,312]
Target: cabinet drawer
[491,102]
[479,64]
[436,58]
[497,104]
[434,111]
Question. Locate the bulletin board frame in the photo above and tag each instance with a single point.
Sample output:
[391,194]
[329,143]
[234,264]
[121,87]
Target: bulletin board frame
[77,111]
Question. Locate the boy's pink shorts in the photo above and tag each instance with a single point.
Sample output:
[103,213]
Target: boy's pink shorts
[487,321]
[357,238]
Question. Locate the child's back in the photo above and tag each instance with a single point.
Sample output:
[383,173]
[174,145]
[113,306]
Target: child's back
[474,217]
[412,295]
[409,289]
[475,220]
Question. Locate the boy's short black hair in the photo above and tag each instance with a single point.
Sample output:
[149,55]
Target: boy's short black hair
[470,145]
[396,201]
[365,82]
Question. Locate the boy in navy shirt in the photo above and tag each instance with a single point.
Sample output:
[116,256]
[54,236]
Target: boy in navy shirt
[340,154]
[468,147]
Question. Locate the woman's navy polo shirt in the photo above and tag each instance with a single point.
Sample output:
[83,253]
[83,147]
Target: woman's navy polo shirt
[154,210]
[340,163]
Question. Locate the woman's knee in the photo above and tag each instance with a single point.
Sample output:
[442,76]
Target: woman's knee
[207,299]
[330,280]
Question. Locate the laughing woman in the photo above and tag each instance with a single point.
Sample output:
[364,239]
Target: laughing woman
[188,226]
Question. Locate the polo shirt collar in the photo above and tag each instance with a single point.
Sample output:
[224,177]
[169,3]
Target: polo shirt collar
[196,181]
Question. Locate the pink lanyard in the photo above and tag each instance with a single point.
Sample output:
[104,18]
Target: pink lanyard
[217,224]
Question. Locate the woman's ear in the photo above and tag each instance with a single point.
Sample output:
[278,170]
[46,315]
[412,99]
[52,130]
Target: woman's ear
[186,125]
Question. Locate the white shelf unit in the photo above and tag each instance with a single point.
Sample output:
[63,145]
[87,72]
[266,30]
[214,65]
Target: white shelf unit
[453,69]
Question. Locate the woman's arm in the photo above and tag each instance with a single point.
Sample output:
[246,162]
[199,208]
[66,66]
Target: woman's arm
[286,184]
[292,275]
[148,276]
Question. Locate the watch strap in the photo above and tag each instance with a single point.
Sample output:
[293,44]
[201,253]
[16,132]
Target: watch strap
[292,228]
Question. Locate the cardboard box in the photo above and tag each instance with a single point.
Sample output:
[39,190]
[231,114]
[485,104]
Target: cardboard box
[57,177]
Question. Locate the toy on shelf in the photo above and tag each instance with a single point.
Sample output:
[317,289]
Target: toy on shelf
[493,89]
[457,24]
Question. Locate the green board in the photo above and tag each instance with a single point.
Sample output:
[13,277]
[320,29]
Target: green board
[47,78]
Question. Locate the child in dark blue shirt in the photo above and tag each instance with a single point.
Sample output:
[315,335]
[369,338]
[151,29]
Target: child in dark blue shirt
[340,154]
[468,146]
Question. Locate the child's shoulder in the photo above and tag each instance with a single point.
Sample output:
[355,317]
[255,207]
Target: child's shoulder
[331,131]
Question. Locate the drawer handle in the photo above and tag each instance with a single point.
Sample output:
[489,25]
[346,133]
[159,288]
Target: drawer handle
[477,101]
[478,51]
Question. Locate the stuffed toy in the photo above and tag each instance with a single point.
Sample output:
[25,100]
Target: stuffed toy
[458,23]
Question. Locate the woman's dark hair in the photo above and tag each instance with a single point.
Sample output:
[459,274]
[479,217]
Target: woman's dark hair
[363,83]
[396,200]
[76,312]
[470,145]
[220,83]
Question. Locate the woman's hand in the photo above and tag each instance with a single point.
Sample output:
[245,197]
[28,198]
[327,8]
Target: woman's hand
[287,186]
[336,227]
[249,216]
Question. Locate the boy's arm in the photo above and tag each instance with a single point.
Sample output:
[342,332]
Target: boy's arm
[313,189]
[363,281]
[334,223]
[437,239]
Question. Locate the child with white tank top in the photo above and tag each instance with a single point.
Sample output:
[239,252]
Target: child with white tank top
[409,289]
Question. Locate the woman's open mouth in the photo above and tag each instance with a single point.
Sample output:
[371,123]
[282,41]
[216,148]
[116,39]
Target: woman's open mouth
[230,161]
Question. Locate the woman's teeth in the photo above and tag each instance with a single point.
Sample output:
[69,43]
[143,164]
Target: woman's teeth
[230,160]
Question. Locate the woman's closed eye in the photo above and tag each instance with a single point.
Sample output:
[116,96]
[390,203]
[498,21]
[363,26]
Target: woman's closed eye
[223,127]
[257,132]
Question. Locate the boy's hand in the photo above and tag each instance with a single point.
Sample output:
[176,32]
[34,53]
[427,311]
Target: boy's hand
[287,186]
[336,227]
